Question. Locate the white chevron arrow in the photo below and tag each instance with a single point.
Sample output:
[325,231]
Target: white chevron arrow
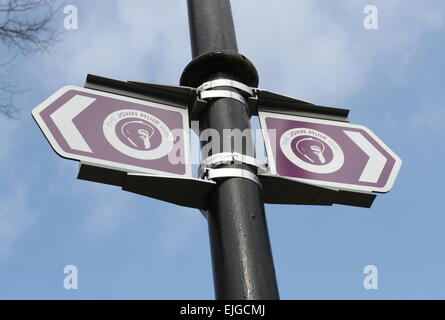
[63,119]
[376,162]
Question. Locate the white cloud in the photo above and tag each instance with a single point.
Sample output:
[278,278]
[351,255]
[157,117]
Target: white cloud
[428,119]
[106,208]
[176,229]
[7,131]
[15,217]
[126,40]
[319,50]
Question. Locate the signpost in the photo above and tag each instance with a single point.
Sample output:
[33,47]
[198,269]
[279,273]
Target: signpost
[135,135]
[116,132]
[328,153]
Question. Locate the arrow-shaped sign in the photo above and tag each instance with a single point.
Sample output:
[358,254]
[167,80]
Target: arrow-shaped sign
[328,153]
[116,132]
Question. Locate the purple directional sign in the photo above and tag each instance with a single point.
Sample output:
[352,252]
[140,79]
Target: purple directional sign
[328,153]
[116,132]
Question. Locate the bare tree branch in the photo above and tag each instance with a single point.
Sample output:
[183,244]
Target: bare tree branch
[25,27]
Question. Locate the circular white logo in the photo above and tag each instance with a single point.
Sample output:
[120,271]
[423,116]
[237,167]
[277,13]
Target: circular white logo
[138,134]
[312,150]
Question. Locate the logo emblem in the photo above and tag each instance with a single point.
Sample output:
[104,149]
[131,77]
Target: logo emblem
[312,150]
[138,134]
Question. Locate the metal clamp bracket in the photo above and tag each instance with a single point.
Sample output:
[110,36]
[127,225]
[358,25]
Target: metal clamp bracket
[226,83]
[211,94]
[230,157]
[224,173]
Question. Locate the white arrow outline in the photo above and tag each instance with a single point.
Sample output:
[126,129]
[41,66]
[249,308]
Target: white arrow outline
[63,119]
[376,162]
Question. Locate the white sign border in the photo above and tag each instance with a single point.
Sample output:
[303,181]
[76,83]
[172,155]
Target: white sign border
[105,163]
[262,115]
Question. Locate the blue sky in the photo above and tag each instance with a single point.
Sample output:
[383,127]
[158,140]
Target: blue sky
[131,247]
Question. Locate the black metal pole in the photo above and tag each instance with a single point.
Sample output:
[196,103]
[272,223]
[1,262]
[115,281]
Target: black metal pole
[241,253]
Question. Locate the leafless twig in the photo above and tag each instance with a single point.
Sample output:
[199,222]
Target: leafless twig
[26,26]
